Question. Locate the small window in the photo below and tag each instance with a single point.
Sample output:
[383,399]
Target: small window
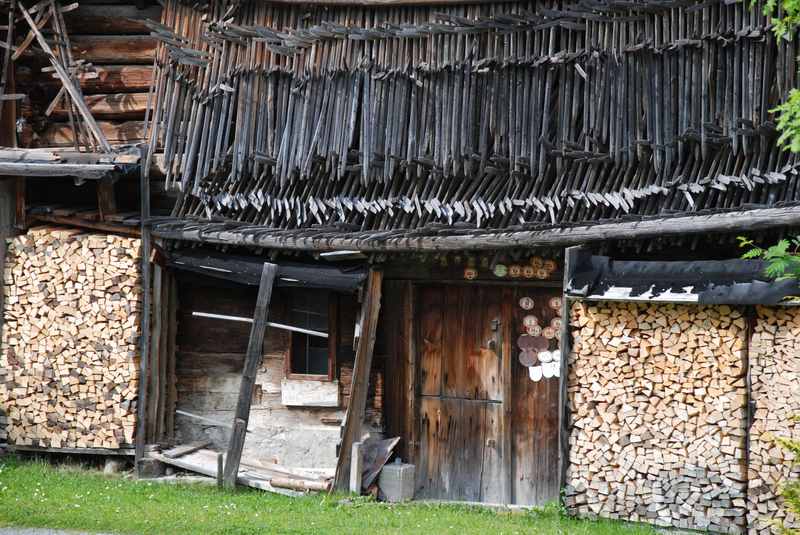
[312,356]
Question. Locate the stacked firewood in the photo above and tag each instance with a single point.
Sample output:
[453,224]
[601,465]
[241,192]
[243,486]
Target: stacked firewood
[775,393]
[657,395]
[69,344]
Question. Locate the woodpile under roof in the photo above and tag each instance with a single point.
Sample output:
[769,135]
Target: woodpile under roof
[489,115]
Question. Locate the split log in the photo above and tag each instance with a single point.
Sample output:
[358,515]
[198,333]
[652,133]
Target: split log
[658,415]
[110,20]
[774,376]
[69,344]
[300,484]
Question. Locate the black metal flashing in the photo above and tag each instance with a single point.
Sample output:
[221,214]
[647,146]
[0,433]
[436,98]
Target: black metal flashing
[733,282]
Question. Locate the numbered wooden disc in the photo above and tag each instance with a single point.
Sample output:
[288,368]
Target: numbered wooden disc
[542,273]
[526,303]
[528,272]
[550,265]
[529,320]
[555,323]
[545,356]
[555,303]
[550,370]
[549,333]
[500,270]
[515,271]
[527,357]
[533,330]
[537,262]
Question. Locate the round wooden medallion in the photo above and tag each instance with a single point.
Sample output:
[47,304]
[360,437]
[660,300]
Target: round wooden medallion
[500,270]
[528,272]
[526,303]
[549,333]
[542,273]
[470,273]
[555,303]
[550,370]
[515,271]
[536,343]
[550,265]
[529,320]
[533,330]
[537,262]
[545,356]
[555,323]
[527,357]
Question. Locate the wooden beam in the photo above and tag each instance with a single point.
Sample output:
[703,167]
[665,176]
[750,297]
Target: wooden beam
[735,221]
[79,222]
[126,133]
[144,341]
[114,48]
[565,346]
[104,79]
[410,360]
[354,417]
[109,106]
[251,363]
[36,169]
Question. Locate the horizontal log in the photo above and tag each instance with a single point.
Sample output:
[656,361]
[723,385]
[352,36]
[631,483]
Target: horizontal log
[60,134]
[114,20]
[109,79]
[114,106]
[735,221]
[78,222]
[114,48]
[87,171]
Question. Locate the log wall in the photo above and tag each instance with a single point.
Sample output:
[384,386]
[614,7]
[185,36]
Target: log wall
[775,395]
[111,36]
[209,362]
[69,361]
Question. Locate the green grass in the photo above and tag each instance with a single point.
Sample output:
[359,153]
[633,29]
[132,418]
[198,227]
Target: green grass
[35,494]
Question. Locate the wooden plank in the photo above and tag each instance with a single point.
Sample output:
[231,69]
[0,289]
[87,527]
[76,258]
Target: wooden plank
[503,344]
[409,355]
[106,198]
[570,257]
[73,451]
[183,449]
[252,360]
[370,311]
[534,421]
[144,357]
[109,106]
[80,222]
[431,347]
[35,169]
[356,468]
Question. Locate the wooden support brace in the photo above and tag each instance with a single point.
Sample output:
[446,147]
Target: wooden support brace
[356,468]
[251,362]
[106,198]
[370,309]
[144,369]
[570,258]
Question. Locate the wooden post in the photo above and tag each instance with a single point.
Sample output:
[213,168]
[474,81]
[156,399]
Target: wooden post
[144,343]
[503,347]
[220,469]
[370,309]
[356,468]
[251,362]
[410,357]
[570,257]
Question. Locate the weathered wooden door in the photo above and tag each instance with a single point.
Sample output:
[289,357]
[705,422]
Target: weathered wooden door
[487,431]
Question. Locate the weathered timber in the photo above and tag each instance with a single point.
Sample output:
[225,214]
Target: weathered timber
[126,133]
[252,360]
[106,79]
[351,430]
[111,106]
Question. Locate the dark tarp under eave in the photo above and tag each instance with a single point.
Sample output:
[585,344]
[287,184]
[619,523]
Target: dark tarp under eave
[732,282]
[247,270]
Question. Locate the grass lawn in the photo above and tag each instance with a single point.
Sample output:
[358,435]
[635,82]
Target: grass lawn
[35,494]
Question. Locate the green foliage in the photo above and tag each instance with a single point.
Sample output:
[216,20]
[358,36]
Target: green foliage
[783,258]
[785,18]
[35,494]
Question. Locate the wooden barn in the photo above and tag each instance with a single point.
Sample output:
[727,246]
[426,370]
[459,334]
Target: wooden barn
[282,243]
